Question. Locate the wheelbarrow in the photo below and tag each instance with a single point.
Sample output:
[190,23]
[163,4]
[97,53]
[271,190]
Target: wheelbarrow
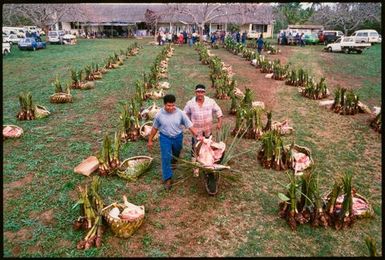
[211,177]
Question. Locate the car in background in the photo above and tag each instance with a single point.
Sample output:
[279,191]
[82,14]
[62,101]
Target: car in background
[6,48]
[311,39]
[31,43]
[55,37]
[346,45]
[12,38]
[370,36]
[69,39]
[30,29]
[379,38]
[329,36]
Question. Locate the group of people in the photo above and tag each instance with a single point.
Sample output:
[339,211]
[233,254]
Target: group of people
[299,39]
[34,34]
[177,38]
[197,117]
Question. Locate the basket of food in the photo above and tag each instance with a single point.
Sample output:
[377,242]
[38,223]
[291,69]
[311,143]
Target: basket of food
[301,158]
[145,130]
[12,131]
[131,168]
[123,219]
[361,208]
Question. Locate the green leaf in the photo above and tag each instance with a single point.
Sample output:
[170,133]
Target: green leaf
[80,201]
[283,197]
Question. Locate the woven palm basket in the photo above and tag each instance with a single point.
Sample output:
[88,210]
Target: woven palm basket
[41,111]
[130,170]
[120,227]
[60,98]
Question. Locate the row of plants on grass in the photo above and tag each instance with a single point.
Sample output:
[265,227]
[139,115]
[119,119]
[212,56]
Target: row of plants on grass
[346,102]
[220,74]
[129,128]
[302,203]
[62,94]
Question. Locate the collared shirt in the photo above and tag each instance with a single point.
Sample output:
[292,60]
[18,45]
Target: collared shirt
[170,124]
[202,116]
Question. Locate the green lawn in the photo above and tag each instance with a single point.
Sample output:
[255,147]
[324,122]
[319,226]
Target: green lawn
[242,220]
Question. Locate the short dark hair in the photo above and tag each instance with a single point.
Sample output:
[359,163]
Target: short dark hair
[200,87]
[169,98]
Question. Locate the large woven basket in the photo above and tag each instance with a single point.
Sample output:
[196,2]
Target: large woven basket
[126,171]
[60,98]
[121,228]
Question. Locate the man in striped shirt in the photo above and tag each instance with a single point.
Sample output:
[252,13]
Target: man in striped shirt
[200,110]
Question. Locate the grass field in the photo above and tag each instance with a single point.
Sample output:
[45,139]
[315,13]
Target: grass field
[39,185]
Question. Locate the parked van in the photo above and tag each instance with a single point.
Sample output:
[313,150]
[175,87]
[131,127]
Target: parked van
[30,29]
[370,36]
[55,37]
[329,36]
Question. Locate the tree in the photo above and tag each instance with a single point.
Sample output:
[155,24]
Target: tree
[42,15]
[348,17]
[151,20]
[205,13]
[292,13]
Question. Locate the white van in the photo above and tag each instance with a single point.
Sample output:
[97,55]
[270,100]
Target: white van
[30,29]
[370,36]
[55,37]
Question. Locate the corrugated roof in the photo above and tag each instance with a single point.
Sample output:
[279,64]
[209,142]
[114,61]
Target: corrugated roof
[100,13]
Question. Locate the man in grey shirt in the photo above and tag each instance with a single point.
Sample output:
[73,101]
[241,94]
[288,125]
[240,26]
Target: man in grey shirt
[169,121]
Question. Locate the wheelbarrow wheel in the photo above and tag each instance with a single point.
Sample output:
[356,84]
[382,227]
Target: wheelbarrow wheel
[211,182]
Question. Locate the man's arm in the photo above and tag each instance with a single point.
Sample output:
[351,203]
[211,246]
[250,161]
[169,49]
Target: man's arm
[152,134]
[219,124]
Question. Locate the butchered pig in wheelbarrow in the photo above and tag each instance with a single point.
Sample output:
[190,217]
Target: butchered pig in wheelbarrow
[208,155]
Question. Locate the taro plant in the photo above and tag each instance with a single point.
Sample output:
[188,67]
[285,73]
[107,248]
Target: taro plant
[88,73]
[291,78]
[315,90]
[76,77]
[280,71]
[302,77]
[273,153]
[345,218]
[266,66]
[345,102]
[129,120]
[234,104]
[27,108]
[60,96]
[109,156]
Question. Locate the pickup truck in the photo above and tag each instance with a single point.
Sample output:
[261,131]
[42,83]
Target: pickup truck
[347,45]
[6,48]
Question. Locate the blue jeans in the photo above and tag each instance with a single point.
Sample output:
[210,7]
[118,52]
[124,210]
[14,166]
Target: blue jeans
[169,147]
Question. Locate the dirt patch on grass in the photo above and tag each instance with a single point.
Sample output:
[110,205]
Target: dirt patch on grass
[35,249]
[264,89]
[27,179]
[46,217]
[22,234]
